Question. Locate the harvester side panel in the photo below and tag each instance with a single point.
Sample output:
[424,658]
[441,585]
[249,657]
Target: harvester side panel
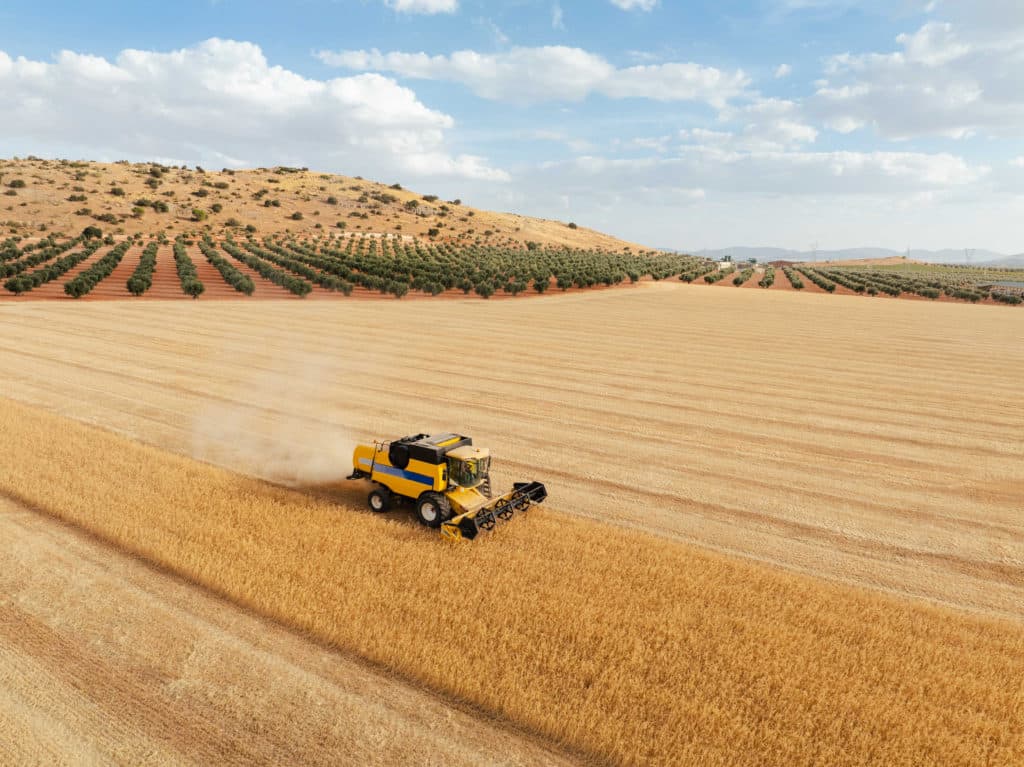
[417,476]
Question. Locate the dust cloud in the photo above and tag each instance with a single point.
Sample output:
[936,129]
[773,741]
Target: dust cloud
[250,432]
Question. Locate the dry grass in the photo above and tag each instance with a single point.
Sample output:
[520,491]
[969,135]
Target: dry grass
[626,647]
[49,184]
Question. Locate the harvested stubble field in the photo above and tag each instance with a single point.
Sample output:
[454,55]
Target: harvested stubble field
[872,443]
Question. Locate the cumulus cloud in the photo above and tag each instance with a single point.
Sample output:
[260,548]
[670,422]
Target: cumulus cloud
[423,6]
[712,162]
[952,79]
[768,124]
[222,99]
[783,70]
[551,73]
[635,5]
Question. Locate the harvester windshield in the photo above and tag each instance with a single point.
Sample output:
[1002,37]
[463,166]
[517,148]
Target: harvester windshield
[467,467]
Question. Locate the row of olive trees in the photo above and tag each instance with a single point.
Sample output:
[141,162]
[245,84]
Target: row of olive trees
[396,266]
[33,256]
[267,271]
[142,278]
[24,283]
[85,281]
[190,282]
[232,276]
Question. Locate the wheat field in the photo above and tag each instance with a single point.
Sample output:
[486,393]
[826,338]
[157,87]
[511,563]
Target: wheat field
[875,443]
[876,447]
[622,646]
[107,660]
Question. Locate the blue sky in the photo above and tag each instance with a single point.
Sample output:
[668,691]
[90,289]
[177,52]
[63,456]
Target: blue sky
[689,125]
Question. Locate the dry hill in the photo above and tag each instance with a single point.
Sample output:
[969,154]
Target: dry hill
[124,198]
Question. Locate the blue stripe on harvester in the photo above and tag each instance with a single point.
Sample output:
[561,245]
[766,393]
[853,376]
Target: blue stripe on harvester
[423,479]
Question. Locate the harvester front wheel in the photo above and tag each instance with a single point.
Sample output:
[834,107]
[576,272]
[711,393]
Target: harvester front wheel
[432,509]
[380,499]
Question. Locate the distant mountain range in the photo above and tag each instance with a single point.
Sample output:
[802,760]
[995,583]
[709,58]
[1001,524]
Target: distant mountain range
[978,257]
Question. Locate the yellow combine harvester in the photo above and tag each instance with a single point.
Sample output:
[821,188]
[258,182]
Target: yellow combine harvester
[447,479]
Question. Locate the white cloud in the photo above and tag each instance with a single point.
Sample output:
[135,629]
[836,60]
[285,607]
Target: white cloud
[423,6]
[552,73]
[222,99]
[769,124]
[783,70]
[945,79]
[557,17]
[715,163]
[500,38]
[712,191]
[637,5]
[659,144]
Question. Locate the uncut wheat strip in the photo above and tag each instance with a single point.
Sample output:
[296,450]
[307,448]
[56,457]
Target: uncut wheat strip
[745,645]
[274,697]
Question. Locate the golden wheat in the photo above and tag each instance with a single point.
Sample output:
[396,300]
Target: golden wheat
[875,443]
[623,646]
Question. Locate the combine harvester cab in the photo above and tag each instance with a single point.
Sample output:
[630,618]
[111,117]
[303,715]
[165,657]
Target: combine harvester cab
[446,478]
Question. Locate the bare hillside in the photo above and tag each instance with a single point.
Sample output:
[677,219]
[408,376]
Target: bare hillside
[122,198]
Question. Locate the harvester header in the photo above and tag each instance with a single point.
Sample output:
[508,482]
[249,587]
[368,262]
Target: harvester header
[446,477]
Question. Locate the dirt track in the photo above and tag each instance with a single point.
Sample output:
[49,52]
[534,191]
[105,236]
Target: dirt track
[104,659]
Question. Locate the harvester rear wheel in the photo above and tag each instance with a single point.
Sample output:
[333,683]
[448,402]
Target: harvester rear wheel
[380,499]
[432,509]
